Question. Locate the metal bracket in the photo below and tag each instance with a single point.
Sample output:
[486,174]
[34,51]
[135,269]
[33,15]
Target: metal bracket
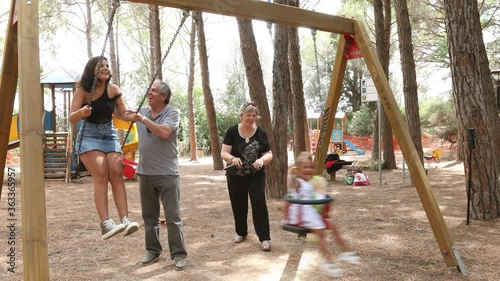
[460,264]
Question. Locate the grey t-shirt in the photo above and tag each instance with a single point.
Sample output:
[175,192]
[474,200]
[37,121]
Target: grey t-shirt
[157,156]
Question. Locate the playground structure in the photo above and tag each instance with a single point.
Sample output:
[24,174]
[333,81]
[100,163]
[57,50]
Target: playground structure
[338,143]
[21,60]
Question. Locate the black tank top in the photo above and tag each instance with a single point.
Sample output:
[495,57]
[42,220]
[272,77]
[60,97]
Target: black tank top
[103,108]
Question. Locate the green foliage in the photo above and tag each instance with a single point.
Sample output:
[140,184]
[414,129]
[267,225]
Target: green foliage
[180,101]
[316,91]
[437,112]
[490,21]
[361,123]
[224,121]
[438,117]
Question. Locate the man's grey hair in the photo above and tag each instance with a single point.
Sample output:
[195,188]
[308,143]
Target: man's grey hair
[164,90]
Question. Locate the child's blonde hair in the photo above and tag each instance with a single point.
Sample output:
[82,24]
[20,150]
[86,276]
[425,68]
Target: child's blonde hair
[302,157]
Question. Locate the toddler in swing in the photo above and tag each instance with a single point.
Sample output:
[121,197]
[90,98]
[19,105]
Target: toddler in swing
[311,217]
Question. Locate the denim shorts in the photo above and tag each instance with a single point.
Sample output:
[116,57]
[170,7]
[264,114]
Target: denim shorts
[100,137]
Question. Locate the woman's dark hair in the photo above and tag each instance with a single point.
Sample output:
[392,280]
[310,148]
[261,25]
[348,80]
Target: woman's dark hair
[88,75]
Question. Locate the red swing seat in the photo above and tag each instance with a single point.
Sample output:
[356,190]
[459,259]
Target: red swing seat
[129,168]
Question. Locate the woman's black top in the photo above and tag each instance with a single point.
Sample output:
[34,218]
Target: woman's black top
[247,152]
[102,108]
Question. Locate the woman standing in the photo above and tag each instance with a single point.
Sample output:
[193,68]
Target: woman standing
[246,149]
[98,143]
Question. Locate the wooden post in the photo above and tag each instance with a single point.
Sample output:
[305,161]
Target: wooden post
[8,83]
[53,97]
[35,252]
[332,102]
[410,154]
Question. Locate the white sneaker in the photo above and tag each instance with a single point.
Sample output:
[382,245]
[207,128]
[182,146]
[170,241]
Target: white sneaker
[350,257]
[129,226]
[331,269]
[109,229]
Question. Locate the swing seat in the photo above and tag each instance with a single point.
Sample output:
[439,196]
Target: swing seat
[129,168]
[300,230]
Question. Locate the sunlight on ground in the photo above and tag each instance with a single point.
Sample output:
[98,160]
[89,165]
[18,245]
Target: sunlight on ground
[204,183]
[211,205]
[419,215]
[391,240]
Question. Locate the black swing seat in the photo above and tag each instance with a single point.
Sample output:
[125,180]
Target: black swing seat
[302,231]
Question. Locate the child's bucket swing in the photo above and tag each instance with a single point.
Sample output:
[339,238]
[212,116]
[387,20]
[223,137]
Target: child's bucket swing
[129,168]
[297,228]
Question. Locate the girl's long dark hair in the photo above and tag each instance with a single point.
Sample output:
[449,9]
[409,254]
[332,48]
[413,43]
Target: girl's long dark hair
[89,74]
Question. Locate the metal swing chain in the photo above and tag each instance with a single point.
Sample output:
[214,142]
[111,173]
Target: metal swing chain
[185,15]
[313,32]
[116,5]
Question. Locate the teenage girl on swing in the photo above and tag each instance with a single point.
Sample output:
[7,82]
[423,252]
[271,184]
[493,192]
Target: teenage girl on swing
[98,143]
[309,217]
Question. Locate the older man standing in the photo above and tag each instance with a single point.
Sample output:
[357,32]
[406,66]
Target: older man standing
[158,171]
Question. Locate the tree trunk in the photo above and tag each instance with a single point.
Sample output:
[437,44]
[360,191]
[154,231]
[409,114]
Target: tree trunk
[299,116]
[409,75]
[88,29]
[112,48]
[382,11]
[257,89]
[193,146]
[253,71]
[475,106]
[154,35]
[207,94]
[281,90]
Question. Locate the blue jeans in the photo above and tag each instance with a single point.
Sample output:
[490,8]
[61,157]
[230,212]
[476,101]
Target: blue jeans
[100,137]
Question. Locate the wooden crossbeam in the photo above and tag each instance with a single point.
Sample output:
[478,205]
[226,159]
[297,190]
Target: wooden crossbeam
[260,10]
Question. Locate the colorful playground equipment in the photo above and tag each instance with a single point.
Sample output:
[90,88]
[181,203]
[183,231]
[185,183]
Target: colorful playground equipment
[58,147]
[129,149]
[434,156]
[338,144]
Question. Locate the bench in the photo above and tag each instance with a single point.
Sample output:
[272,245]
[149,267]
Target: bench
[349,168]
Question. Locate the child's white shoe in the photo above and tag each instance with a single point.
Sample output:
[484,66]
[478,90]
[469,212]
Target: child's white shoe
[350,257]
[331,269]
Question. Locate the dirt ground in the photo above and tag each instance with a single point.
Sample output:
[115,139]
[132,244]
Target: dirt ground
[385,223]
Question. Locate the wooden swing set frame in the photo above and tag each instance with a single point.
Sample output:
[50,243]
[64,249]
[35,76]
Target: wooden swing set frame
[21,61]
